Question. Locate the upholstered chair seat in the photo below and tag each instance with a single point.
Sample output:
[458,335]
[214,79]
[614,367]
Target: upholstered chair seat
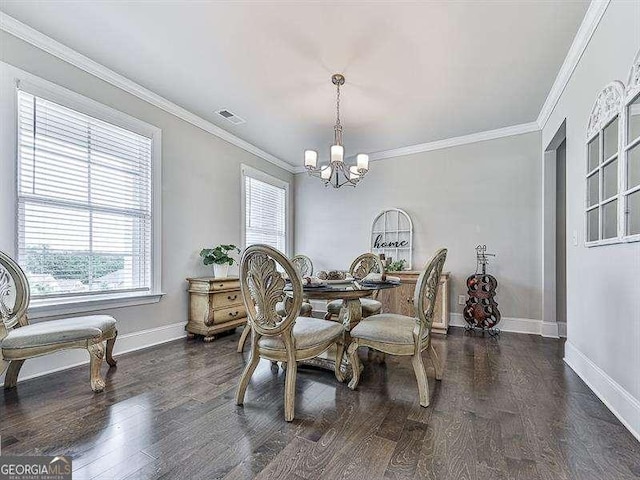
[369,307]
[307,332]
[305,309]
[387,328]
[58,331]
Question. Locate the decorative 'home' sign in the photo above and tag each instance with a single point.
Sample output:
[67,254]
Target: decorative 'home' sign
[392,234]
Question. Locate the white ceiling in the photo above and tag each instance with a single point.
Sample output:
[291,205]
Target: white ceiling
[416,71]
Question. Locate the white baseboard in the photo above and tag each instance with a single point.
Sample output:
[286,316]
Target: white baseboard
[549,329]
[129,342]
[621,403]
[527,326]
[562,329]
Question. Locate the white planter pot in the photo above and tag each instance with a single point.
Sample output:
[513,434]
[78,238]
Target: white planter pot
[221,271]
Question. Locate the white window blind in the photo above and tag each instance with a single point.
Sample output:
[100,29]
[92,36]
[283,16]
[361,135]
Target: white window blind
[265,212]
[84,202]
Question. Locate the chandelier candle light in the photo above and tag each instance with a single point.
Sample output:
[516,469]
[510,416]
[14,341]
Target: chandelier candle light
[337,173]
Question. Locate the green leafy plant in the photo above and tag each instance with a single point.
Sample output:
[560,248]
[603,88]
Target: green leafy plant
[396,266]
[219,255]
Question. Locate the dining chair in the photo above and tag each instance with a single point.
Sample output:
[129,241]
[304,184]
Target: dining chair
[304,266]
[401,335]
[361,267]
[289,338]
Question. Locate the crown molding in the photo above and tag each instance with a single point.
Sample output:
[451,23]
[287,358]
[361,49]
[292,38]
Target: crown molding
[587,28]
[449,142]
[57,49]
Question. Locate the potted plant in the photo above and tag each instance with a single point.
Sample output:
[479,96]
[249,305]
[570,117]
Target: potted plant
[219,258]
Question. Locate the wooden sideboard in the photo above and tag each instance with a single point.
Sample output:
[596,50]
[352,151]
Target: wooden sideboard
[400,300]
[215,305]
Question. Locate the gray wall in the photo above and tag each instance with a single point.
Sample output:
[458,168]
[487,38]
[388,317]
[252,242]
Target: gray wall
[481,193]
[603,304]
[200,183]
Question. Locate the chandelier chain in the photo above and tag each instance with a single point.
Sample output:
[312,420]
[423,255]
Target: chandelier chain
[338,105]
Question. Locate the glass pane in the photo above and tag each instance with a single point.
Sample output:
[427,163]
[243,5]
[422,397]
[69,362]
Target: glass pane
[633,167]
[610,179]
[611,139]
[634,120]
[592,225]
[633,213]
[610,220]
[593,189]
[594,154]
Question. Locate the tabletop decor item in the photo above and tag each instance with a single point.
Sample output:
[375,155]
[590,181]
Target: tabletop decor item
[219,258]
[392,238]
[481,310]
[332,275]
[337,173]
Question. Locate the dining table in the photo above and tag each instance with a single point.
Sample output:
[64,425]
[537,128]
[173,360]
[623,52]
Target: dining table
[350,292]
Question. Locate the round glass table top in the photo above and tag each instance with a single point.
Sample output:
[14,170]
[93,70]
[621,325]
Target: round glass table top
[352,289]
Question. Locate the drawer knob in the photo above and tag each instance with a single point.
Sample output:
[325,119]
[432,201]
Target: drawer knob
[233,314]
[232,297]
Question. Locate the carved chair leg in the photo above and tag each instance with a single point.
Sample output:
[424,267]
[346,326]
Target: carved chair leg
[437,364]
[11,378]
[243,337]
[254,359]
[290,380]
[109,353]
[339,356]
[421,377]
[352,352]
[96,354]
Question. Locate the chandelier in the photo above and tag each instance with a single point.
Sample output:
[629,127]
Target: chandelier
[337,173]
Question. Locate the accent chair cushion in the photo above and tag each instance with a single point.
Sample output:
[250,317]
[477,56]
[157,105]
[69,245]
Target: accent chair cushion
[369,307]
[305,309]
[386,328]
[58,331]
[308,332]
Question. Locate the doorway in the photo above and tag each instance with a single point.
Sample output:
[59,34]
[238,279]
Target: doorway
[554,235]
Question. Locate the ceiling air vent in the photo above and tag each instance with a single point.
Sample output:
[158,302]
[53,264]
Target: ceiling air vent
[230,116]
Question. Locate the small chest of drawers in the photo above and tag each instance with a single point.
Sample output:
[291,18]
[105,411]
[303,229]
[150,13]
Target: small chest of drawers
[215,305]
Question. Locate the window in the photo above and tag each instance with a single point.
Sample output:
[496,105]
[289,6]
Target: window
[613,163]
[86,203]
[265,209]
[631,176]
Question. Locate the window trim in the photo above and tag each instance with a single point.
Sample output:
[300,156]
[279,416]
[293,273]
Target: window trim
[248,171]
[69,304]
[628,144]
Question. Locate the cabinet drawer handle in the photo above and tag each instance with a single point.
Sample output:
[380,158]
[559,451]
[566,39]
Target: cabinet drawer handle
[221,285]
[233,314]
[232,298]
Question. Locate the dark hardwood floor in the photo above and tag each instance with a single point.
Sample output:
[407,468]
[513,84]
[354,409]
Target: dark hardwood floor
[507,408]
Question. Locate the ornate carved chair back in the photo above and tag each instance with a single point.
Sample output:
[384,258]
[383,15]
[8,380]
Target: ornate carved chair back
[303,265]
[14,295]
[364,265]
[424,297]
[262,287]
